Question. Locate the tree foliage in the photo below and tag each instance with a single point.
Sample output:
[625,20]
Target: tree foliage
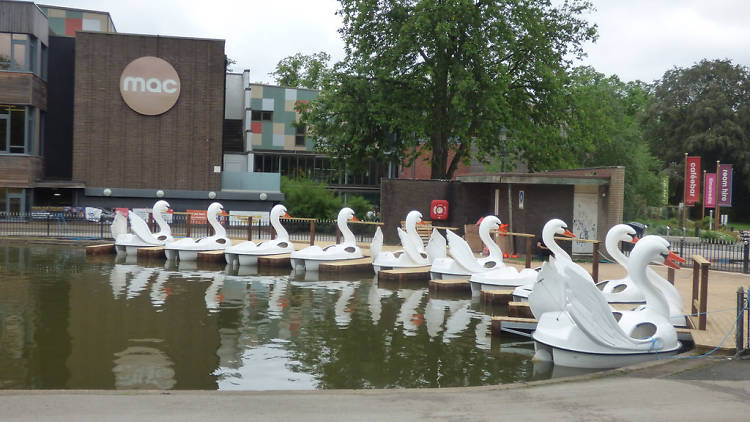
[303,71]
[703,110]
[447,75]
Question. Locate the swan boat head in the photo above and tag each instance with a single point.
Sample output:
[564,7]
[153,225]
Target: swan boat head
[551,228]
[619,233]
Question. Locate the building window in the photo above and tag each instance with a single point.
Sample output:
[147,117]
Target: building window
[17,129]
[18,52]
[299,136]
[45,60]
[260,115]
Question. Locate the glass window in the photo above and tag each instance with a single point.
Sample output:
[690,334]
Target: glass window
[3,200]
[256,115]
[19,44]
[4,51]
[17,129]
[43,70]
[267,115]
[30,132]
[32,54]
[299,137]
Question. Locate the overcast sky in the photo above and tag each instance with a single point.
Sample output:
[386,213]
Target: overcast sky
[638,39]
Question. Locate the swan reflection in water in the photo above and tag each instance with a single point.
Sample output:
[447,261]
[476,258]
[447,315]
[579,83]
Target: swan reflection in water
[408,317]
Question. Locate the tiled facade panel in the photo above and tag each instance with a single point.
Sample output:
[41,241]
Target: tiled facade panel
[280,133]
[113,146]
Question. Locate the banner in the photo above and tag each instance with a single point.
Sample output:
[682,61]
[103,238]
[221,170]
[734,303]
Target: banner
[664,191]
[725,185]
[709,190]
[692,180]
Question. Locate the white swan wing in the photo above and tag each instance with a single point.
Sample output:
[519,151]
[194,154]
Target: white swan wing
[589,310]
[119,225]
[436,246]
[377,243]
[462,254]
[410,248]
[140,228]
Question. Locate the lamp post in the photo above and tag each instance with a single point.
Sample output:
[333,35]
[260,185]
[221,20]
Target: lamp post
[503,136]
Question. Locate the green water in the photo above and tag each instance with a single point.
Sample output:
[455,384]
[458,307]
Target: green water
[68,321]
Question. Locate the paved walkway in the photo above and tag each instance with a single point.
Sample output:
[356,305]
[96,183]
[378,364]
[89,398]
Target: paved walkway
[679,390]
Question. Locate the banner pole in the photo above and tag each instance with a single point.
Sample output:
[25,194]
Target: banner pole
[717,209]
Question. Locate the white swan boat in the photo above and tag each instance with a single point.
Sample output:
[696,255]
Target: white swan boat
[141,236]
[625,291]
[502,276]
[311,257]
[547,292]
[247,253]
[588,334]
[187,249]
[413,253]
[463,263]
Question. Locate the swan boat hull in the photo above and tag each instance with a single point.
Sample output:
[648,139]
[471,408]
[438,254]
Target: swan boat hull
[313,264]
[579,359]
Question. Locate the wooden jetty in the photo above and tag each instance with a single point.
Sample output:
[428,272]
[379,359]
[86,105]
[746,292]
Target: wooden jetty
[519,310]
[405,274]
[451,285]
[503,325]
[103,249]
[348,265]
[211,256]
[151,252]
[496,296]
[275,261]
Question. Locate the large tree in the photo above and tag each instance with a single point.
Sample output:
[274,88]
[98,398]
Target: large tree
[447,75]
[703,110]
[303,70]
[603,124]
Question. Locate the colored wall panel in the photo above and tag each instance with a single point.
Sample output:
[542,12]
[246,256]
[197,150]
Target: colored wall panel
[54,13]
[74,14]
[268,104]
[256,127]
[290,94]
[257,91]
[91,25]
[57,26]
[72,25]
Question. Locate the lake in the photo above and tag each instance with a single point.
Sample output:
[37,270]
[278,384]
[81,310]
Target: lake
[68,321]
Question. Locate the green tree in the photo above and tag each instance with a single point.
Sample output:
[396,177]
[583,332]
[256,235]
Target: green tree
[447,75]
[703,110]
[303,71]
[603,125]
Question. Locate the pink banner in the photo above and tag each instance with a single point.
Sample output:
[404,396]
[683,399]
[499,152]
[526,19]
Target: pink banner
[692,180]
[709,191]
[725,185]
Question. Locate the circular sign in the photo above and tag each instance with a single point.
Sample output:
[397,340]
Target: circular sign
[150,85]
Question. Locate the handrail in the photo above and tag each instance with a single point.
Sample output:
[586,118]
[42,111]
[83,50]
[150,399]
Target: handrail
[699,300]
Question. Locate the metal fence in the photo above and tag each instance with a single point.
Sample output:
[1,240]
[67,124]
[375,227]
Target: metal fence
[724,256]
[76,226]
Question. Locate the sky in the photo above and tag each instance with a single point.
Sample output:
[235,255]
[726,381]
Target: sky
[638,39]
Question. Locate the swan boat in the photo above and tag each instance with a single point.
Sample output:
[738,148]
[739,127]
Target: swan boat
[625,291]
[413,253]
[187,248]
[247,253]
[311,257]
[463,263]
[588,334]
[502,275]
[546,292]
[141,237]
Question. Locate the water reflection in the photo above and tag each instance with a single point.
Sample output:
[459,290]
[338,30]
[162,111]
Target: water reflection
[68,321]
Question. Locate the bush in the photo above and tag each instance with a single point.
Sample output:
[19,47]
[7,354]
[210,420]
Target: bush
[309,199]
[360,205]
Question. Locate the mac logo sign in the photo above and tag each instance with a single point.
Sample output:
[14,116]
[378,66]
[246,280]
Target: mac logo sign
[150,85]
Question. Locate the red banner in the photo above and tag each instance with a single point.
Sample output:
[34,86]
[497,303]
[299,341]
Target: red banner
[692,180]
[709,190]
[725,185]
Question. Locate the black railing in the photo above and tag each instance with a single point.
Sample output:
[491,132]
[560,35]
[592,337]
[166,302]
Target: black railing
[76,226]
[723,255]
